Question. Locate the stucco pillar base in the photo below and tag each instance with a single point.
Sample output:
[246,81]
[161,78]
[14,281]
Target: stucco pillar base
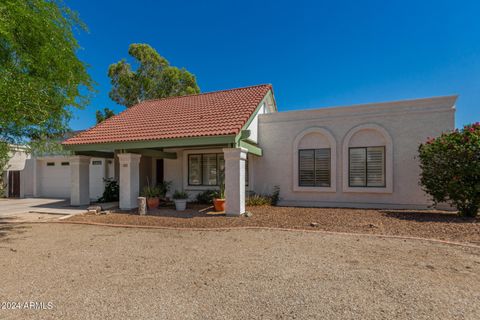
[79,180]
[129,181]
[235,180]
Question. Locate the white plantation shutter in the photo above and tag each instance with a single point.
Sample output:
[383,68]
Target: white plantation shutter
[376,167]
[322,167]
[314,167]
[357,168]
[306,167]
[367,167]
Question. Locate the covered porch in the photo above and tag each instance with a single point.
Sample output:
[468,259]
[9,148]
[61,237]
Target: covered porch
[191,164]
[184,139]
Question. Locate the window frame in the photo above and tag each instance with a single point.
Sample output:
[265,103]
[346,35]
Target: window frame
[200,187]
[366,167]
[314,168]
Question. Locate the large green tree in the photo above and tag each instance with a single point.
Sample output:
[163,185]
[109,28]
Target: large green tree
[154,78]
[41,77]
[104,115]
[40,74]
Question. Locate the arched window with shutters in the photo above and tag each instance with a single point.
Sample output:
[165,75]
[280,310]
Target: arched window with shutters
[314,161]
[368,160]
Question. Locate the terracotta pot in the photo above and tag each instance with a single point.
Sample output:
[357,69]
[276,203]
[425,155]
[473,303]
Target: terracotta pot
[153,203]
[219,204]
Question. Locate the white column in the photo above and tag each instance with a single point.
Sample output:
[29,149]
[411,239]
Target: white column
[79,180]
[235,180]
[129,181]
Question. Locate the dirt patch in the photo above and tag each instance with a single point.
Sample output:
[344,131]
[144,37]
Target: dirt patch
[441,225]
[90,272]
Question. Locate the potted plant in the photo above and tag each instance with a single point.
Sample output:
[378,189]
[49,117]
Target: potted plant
[180,199]
[163,188]
[219,200]
[152,194]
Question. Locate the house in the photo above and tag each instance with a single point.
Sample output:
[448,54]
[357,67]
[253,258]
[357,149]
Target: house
[354,156]
[49,176]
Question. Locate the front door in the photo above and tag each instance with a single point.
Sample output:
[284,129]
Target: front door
[14,184]
[160,176]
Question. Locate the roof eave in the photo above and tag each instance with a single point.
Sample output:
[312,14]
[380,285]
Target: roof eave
[162,143]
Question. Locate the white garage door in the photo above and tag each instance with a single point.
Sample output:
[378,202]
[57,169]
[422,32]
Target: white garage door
[55,179]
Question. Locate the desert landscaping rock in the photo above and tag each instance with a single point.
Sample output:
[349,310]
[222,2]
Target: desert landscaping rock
[441,225]
[91,272]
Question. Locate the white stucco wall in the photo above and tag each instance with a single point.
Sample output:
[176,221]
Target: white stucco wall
[253,127]
[405,123]
[40,180]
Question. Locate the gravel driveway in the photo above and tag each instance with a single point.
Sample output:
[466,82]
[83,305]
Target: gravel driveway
[91,272]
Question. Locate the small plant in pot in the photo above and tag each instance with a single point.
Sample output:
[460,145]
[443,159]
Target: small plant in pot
[219,200]
[180,198]
[153,196]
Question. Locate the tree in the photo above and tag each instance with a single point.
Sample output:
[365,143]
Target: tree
[104,115]
[4,157]
[450,167]
[154,78]
[41,78]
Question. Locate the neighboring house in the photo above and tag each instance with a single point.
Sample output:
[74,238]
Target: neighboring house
[49,176]
[356,156]
[15,174]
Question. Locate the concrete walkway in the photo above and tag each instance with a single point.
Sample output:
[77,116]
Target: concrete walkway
[35,209]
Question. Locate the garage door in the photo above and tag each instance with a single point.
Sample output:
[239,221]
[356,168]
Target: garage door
[55,179]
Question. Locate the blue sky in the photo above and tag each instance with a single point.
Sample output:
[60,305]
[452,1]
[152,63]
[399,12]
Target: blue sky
[315,53]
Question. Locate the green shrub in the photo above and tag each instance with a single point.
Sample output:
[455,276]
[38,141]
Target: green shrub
[150,192]
[258,200]
[206,197]
[275,195]
[177,195]
[450,169]
[264,200]
[111,192]
[164,187]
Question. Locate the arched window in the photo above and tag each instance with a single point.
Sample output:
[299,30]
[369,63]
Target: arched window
[368,160]
[314,161]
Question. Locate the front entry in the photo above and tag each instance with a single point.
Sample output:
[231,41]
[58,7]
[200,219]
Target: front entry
[14,184]
[160,176]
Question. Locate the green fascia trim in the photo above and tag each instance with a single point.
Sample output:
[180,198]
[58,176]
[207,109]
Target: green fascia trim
[251,148]
[254,114]
[96,154]
[154,153]
[239,137]
[164,143]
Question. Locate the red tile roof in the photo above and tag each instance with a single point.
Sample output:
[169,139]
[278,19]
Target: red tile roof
[206,114]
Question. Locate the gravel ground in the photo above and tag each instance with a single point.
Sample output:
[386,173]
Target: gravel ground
[442,225]
[91,272]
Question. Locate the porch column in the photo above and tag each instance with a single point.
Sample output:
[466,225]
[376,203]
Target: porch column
[129,181]
[79,180]
[235,180]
